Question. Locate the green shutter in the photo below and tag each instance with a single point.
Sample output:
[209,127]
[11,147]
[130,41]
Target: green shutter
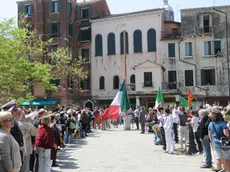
[127,42]
[171,50]
[58,10]
[79,13]
[121,43]
[202,77]
[58,26]
[24,10]
[90,12]
[31,10]
[137,41]
[213,77]
[51,7]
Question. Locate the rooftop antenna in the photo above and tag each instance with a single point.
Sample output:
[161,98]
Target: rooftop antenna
[166,2]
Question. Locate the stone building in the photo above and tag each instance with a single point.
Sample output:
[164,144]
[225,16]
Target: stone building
[144,68]
[197,58]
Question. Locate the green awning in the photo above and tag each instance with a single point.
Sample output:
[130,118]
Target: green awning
[43,102]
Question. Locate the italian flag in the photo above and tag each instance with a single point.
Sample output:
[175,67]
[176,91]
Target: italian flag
[159,99]
[26,17]
[120,104]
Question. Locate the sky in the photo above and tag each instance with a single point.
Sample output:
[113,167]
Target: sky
[8,8]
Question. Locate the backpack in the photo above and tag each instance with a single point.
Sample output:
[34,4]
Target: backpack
[72,125]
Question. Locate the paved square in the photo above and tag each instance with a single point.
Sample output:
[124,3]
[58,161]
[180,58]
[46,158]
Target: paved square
[116,150]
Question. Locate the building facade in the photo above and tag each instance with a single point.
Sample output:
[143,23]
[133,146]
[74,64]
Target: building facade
[198,57]
[139,33]
[86,11]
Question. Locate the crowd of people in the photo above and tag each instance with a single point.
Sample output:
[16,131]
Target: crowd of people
[209,126]
[29,140]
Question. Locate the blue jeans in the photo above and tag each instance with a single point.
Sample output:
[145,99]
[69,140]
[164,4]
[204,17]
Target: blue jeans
[207,149]
[68,137]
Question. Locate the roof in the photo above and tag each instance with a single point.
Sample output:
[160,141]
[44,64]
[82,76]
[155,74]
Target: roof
[131,13]
[205,8]
[87,2]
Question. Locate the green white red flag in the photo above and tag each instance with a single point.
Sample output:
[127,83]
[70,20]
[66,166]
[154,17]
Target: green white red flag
[159,99]
[120,104]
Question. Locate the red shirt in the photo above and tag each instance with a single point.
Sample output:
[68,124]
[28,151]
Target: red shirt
[96,113]
[45,138]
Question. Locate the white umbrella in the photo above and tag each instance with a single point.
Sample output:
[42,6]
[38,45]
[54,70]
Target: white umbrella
[9,104]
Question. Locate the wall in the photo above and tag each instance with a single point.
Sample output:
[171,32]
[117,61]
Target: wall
[109,66]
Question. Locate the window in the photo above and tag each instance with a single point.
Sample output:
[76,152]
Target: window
[85,55]
[54,6]
[132,82]
[172,80]
[207,48]
[111,44]
[151,35]
[86,13]
[54,29]
[70,51]
[84,34]
[171,50]
[55,82]
[70,29]
[28,10]
[70,7]
[102,83]
[208,77]
[116,82]
[70,82]
[188,49]
[148,79]
[137,41]
[126,43]
[205,23]
[189,78]
[85,84]
[53,57]
[98,45]
[217,47]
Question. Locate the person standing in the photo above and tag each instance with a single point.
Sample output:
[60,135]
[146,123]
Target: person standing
[96,115]
[143,114]
[168,132]
[183,128]
[137,115]
[175,124]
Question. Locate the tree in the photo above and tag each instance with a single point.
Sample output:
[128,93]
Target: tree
[67,67]
[21,65]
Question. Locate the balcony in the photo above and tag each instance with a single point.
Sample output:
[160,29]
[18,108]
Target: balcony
[174,34]
[84,23]
[206,30]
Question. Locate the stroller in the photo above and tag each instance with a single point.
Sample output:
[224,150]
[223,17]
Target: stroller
[157,131]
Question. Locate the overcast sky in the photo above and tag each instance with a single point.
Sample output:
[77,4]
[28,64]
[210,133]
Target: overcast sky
[8,8]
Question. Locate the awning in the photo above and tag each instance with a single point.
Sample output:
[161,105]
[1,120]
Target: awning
[42,102]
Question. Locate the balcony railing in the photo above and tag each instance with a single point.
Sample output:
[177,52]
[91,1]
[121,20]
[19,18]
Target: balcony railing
[171,34]
[84,23]
[206,29]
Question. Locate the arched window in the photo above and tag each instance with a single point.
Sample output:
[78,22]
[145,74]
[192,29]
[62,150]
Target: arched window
[132,79]
[102,83]
[116,82]
[111,44]
[152,45]
[122,42]
[137,41]
[98,45]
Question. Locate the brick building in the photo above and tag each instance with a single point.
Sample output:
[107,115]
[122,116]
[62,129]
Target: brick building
[62,20]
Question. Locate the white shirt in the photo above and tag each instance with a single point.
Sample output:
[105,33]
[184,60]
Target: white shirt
[195,121]
[175,116]
[168,123]
[137,113]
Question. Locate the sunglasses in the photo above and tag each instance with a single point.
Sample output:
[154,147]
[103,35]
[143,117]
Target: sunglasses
[8,119]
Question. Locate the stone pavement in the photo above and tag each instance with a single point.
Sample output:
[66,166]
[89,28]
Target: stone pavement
[116,150]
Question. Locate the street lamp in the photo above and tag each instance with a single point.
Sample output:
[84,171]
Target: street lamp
[226,32]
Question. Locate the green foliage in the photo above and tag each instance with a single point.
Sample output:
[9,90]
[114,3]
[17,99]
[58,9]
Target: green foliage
[21,62]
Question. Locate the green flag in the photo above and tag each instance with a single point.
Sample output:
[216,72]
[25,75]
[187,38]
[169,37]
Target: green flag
[159,99]
[124,100]
[183,102]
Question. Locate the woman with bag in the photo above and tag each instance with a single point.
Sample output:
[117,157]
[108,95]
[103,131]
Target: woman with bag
[218,132]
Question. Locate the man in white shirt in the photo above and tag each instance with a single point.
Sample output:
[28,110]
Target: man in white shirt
[137,116]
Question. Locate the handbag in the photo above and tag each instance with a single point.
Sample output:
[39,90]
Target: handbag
[224,141]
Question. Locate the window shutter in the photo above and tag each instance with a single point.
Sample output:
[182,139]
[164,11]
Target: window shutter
[127,42]
[154,41]
[79,35]
[201,21]
[202,77]
[58,29]
[24,10]
[31,10]
[90,12]
[213,77]
[58,10]
[121,43]
[79,13]
[171,50]
[137,43]
[51,7]
[51,33]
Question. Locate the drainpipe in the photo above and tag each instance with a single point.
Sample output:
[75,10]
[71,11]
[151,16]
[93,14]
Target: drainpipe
[187,62]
